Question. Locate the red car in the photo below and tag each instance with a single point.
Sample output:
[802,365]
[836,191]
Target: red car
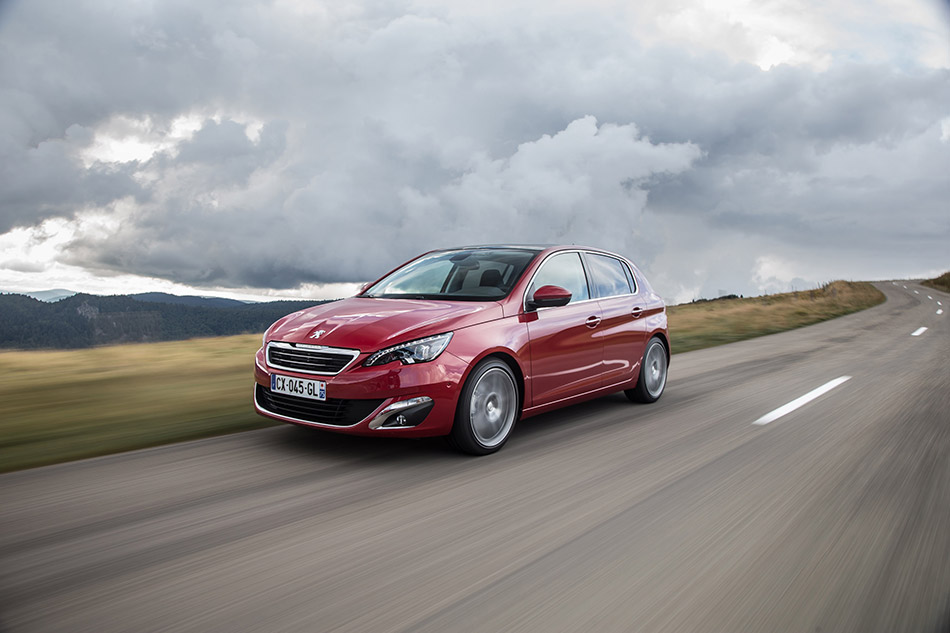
[465,342]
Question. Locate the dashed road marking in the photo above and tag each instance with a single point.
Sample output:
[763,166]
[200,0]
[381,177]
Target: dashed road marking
[939,311]
[918,331]
[929,297]
[916,292]
[799,402]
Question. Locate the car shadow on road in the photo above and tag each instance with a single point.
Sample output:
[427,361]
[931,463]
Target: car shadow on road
[559,426]
[314,442]
[562,426]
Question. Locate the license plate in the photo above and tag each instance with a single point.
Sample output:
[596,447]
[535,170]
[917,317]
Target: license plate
[300,387]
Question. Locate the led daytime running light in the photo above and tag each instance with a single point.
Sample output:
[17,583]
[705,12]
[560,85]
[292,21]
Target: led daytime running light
[419,351]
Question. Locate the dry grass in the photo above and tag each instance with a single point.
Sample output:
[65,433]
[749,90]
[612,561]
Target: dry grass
[699,325]
[57,406]
[940,283]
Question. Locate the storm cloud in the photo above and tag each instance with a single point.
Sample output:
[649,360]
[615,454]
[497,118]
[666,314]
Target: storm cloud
[268,145]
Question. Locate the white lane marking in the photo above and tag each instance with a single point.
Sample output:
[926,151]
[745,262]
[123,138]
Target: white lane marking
[939,311]
[916,292]
[918,331]
[939,304]
[929,297]
[798,402]
[905,286]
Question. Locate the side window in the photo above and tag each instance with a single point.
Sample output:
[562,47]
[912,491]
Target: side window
[564,270]
[608,277]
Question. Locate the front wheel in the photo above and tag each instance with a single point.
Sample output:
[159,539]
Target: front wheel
[487,410]
[653,370]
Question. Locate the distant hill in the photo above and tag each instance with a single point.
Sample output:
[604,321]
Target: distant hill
[45,295]
[188,300]
[86,320]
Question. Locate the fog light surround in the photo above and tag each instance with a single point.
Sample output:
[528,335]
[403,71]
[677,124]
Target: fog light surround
[403,414]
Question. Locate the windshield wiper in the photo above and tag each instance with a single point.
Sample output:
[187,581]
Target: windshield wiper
[398,296]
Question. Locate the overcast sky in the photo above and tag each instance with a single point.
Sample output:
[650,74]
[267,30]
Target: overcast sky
[298,148]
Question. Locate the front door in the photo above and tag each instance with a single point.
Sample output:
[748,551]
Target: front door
[566,351]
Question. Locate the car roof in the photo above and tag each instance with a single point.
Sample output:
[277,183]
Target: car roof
[535,248]
[523,247]
[528,247]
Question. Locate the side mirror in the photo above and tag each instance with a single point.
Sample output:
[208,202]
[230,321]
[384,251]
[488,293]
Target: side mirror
[549,297]
[364,288]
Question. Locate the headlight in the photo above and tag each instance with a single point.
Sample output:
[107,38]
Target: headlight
[420,351]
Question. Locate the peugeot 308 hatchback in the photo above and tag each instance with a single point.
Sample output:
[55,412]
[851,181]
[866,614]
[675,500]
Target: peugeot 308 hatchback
[465,342]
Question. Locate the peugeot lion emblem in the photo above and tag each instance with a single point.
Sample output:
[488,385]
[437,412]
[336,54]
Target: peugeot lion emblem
[318,334]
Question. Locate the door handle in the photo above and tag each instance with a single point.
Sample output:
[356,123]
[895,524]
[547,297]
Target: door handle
[593,321]
[637,312]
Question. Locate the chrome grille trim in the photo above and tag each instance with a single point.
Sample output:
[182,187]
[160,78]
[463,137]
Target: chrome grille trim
[309,359]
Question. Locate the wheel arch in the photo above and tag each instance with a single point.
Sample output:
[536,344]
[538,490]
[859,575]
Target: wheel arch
[516,370]
[665,339]
[509,359]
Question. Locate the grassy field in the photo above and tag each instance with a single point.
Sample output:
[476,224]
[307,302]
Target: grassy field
[57,406]
[940,283]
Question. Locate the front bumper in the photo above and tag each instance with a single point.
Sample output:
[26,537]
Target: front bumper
[368,400]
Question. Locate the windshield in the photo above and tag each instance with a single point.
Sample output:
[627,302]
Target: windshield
[462,275]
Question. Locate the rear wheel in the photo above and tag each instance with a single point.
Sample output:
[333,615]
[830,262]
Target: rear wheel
[487,410]
[653,370]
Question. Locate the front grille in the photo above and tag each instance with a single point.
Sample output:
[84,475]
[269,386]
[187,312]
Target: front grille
[332,411]
[310,359]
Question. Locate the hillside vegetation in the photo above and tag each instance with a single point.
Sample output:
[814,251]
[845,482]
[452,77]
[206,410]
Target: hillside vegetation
[89,320]
[62,405]
[940,283]
[708,323]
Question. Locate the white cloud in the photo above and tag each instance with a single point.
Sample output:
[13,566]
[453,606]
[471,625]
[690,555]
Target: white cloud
[803,33]
[773,274]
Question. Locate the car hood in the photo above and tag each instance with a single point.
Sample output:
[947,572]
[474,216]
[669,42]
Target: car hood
[372,324]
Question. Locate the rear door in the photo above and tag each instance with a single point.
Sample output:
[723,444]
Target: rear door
[622,330]
[566,353]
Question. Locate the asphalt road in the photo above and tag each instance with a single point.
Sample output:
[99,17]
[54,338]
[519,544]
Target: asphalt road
[684,515]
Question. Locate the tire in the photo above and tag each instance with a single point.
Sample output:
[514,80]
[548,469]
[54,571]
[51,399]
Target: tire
[488,408]
[653,370]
